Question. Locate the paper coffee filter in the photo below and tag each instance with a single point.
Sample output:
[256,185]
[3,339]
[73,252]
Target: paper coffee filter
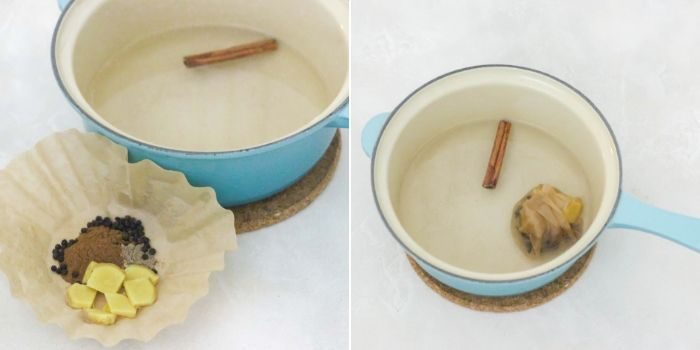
[48,193]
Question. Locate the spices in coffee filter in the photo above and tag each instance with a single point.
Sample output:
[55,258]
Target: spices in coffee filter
[121,241]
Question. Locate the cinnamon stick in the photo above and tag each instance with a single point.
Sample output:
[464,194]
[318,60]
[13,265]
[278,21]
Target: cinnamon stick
[498,152]
[230,53]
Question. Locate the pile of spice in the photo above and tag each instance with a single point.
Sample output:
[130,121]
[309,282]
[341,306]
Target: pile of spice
[121,241]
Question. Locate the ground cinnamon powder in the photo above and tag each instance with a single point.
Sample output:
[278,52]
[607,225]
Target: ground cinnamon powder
[100,244]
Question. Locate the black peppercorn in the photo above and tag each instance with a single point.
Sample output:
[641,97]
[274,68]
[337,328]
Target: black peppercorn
[144,248]
[152,251]
[64,243]
[54,268]
[144,257]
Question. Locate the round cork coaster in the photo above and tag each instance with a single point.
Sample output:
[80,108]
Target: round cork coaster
[508,303]
[269,211]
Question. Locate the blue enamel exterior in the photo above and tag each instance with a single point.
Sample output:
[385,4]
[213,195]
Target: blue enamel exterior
[238,177]
[342,118]
[496,288]
[371,131]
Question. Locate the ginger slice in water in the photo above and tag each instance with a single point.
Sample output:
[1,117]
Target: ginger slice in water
[547,217]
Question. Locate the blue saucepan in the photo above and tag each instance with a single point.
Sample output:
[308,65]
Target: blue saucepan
[195,120]
[429,157]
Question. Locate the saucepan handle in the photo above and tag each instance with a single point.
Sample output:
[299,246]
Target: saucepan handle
[632,213]
[62,4]
[371,131]
[341,118]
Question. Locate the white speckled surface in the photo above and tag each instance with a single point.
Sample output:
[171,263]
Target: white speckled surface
[637,60]
[286,286]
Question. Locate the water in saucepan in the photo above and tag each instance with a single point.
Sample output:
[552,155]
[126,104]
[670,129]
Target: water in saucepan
[147,92]
[446,210]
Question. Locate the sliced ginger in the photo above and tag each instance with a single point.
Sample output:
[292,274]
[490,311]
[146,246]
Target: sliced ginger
[141,292]
[138,282]
[139,271]
[119,305]
[106,278]
[88,271]
[572,211]
[100,317]
[80,296]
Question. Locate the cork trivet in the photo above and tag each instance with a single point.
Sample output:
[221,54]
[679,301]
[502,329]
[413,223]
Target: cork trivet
[269,211]
[509,303]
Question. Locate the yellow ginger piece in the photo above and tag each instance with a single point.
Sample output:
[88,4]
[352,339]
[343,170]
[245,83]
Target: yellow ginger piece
[80,296]
[573,210]
[138,282]
[106,278]
[139,271]
[119,304]
[88,271]
[141,292]
[100,317]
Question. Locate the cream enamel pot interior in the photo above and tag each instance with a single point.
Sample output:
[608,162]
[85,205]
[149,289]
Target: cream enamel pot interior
[446,128]
[248,128]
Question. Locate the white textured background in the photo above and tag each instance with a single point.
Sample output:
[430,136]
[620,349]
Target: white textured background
[638,61]
[285,288]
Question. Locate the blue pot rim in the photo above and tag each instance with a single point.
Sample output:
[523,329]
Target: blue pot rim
[576,256]
[175,152]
